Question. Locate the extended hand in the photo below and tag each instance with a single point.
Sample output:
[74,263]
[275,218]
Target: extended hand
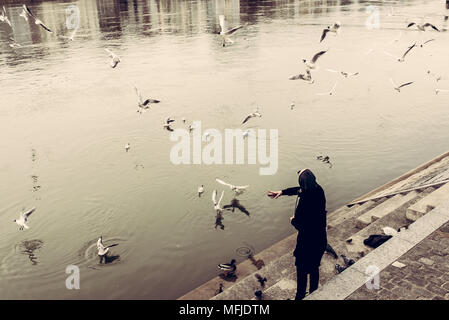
[274,194]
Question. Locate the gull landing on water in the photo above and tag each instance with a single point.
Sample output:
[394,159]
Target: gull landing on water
[24,218]
[217,203]
[225,33]
[398,88]
[236,189]
[36,20]
[334,28]
[115,59]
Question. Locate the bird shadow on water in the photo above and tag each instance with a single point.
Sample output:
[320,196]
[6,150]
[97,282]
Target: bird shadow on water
[28,247]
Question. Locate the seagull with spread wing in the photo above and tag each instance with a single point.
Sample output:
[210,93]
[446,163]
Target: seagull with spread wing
[236,189]
[115,59]
[398,88]
[254,114]
[24,218]
[312,63]
[36,20]
[422,27]
[225,33]
[334,28]
[344,73]
[401,59]
[143,104]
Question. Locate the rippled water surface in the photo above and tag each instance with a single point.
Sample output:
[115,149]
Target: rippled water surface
[66,115]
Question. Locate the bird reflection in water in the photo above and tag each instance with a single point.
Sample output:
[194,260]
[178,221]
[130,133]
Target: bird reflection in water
[29,246]
[219,220]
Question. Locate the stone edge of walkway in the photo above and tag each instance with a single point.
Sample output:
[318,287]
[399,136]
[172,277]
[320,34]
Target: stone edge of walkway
[345,283]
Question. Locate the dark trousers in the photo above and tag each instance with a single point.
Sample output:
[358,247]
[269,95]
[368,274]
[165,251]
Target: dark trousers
[302,282]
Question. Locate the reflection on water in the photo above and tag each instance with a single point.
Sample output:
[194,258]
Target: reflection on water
[29,246]
[62,100]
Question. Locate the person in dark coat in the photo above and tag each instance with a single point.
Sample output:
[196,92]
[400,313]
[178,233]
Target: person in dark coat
[310,221]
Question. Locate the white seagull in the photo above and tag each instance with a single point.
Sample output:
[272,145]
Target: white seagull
[312,63]
[422,27]
[256,113]
[115,59]
[292,105]
[200,190]
[236,189]
[23,14]
[143,104]
[24,218]
[36,20]
[334,28]
[127,146]
[330,92]
[225,33]
[214,200]
[398,88]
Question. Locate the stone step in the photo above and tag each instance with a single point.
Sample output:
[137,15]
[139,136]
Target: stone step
[384,209]
[336,213]
[394,219]
[245,288]
[283,289]
[354,211]
[428,203]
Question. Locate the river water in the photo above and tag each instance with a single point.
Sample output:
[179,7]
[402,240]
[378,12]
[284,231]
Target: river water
[66,115]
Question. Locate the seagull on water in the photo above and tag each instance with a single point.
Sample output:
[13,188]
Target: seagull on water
[398,88]
[312,63]
[115,59]
[36,20]
[127,146]
[4,17]
[422,27]
[401,59]
[330,92]
[236,189]
[343,73]
[143,104]
[256,113]
[306,77]
[102,249]
[334,28]
[24,218]
[225,33]
[200,190]
[292,105]
[217,203]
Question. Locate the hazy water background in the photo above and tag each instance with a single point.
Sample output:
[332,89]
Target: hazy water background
[65,117]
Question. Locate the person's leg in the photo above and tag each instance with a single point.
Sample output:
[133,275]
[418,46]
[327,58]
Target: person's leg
[301,284]
[314,279]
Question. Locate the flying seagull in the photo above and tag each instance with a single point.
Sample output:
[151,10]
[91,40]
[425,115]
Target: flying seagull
[256,113]
[4,17]
[225,33]
[143,104]
[24,218]
[36,20]
[343,73]
[422,27]
[401,59]
[236,189]
[306,77]
[167,124]
[398,88]
[312,64]
[334,28]
[115,59]
[330,92]
[217,203]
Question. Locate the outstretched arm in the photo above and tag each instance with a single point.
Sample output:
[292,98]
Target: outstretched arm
[291,191]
